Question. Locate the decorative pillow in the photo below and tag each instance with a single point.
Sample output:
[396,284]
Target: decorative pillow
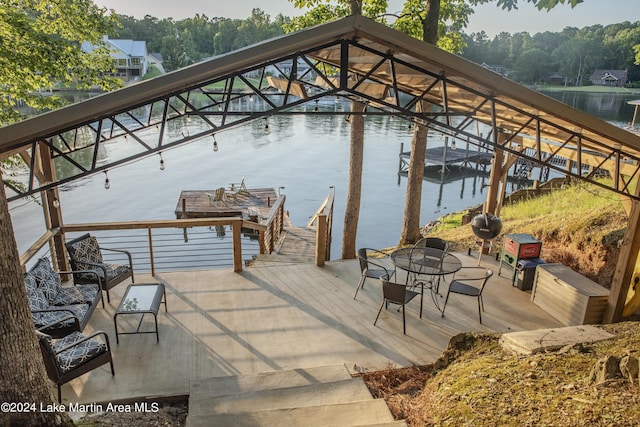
[30,282]
[85,251]
[37,300]
[78,354]
[47,279]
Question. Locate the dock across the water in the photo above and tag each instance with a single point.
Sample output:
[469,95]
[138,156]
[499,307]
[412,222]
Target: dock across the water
[252,203]
[447,156]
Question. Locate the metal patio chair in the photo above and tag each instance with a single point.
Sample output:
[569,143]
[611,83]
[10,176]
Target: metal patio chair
[396,293]
[85,254]
[471,286]
[371,269]
[74,355]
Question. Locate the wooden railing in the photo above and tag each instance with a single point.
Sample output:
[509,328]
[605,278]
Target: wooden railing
[272,226]
[323,219]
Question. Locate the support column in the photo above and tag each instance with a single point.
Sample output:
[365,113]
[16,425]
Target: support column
[495,177]
[321,239]
[53,211]
[626,264]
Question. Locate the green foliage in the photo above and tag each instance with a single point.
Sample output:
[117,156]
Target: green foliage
[453,15]
[575,52]
[191,40]
[40,48]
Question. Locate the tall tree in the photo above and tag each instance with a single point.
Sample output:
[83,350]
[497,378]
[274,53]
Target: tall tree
[40,47]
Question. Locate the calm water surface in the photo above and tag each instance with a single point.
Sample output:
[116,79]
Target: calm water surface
[305,154]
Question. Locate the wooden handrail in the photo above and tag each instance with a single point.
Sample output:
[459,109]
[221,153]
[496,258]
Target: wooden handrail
[37,245]
[326,210]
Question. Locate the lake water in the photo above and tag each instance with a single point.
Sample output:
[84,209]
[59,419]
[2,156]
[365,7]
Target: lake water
[304,154]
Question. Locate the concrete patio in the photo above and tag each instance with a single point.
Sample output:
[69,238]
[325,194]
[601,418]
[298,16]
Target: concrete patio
[281,315]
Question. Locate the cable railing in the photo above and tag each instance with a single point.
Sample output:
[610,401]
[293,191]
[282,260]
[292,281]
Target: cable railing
[165,245]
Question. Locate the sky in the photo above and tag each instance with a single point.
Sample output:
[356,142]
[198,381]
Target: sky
[488,18]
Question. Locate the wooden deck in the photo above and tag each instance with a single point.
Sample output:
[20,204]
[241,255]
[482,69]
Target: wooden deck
[283,316]
[197,203]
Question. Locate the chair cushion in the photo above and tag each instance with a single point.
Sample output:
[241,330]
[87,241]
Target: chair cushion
[78,354]
[76,294]
[42,319]
[113,270]
[85,251]
[48,280]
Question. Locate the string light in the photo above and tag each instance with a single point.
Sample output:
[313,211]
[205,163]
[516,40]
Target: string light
[215,143]
[266,125]
[453,144]
[316,107]
[107,184]
[55,203]
[251,97]
[161,162]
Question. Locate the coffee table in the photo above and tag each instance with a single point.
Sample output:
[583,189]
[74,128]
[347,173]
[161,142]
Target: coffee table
[141,298]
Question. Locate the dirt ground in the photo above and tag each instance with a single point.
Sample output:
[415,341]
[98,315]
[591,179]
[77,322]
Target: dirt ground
[169,414]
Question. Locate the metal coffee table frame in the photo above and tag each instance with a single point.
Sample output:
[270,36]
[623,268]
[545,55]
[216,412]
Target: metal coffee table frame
[141,298]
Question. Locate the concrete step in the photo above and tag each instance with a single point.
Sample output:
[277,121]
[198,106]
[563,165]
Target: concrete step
[327,393]
[366,413]
[220,386]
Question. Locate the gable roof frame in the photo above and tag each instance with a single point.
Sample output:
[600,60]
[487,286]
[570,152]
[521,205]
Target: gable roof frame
[373,62]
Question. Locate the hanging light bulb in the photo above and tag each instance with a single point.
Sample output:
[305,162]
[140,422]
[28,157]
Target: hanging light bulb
[161,162]
[453,144]
[55,203]
[316,107]
[215,143]
[266,125]
[107,184]
[251,97]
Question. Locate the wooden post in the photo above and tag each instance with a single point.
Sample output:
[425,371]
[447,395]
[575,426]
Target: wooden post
[321,239]
[494,177]
[236,227]
[625,267]
[52,211]
[153,268]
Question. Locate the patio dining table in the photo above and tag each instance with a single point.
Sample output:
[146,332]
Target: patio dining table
[426,261]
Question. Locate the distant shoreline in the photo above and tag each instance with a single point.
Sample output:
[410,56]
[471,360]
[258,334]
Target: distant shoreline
[589,89]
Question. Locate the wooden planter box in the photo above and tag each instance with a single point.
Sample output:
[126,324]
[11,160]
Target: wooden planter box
[568,296]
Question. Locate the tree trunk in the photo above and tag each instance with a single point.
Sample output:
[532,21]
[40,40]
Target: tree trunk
[23,379]
[430,21]
[410,232]
[354,191]
[355,7]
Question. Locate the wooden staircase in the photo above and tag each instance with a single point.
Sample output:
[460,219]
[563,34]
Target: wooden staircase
[297,245]
[322,396]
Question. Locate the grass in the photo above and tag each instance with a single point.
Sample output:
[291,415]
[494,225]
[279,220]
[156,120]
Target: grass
[479,384]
